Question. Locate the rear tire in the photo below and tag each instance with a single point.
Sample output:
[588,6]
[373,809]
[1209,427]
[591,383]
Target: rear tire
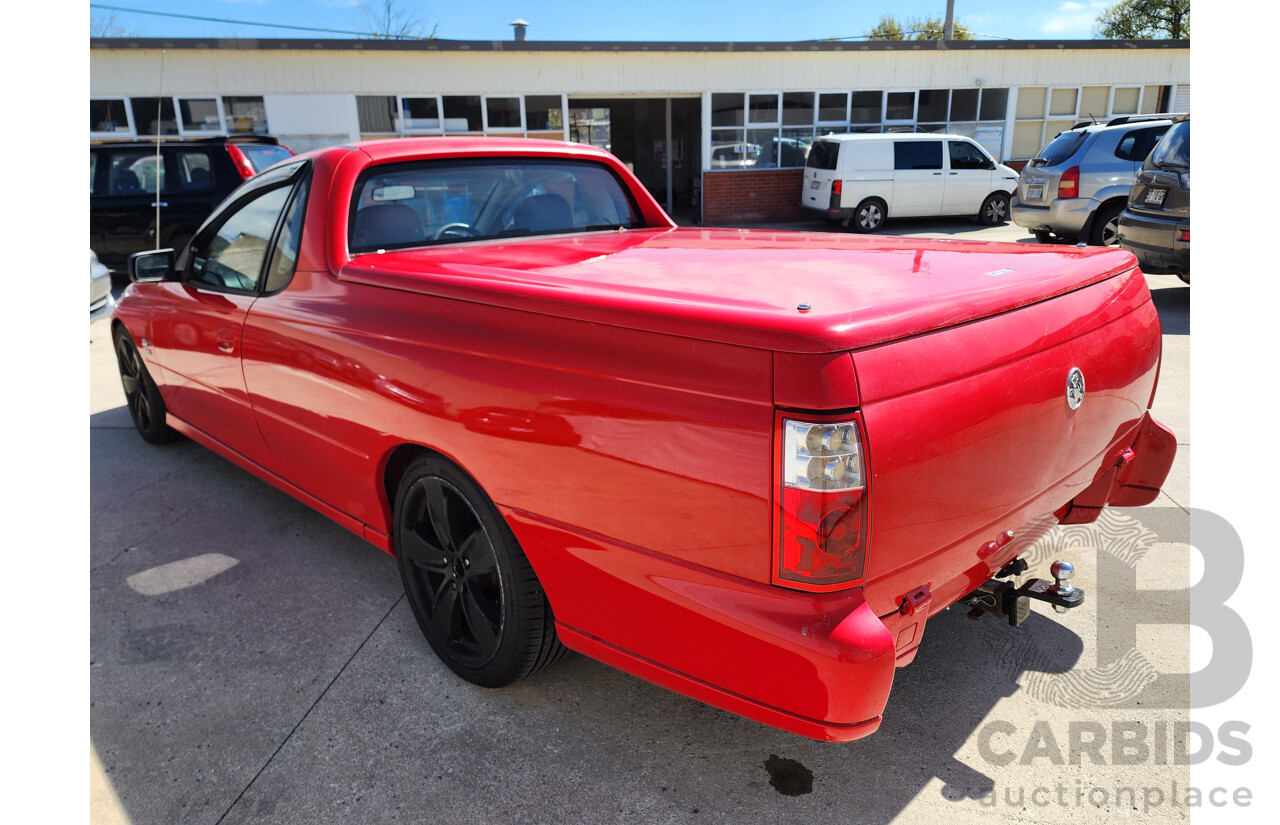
[868,216]
[995,210]
[1104,232]
[469,584]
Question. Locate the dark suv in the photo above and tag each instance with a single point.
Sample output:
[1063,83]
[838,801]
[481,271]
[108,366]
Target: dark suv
[1156,225]
[191,178]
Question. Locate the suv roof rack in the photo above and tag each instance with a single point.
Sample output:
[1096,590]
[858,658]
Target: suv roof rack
[212,140]
[1116,121]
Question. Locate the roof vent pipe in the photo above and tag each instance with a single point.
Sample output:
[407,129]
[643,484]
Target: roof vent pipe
[521,26]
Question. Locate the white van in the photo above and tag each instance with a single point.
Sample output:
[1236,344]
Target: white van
[859,180]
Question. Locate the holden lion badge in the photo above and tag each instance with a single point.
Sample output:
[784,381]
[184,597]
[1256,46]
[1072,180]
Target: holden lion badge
[1075,388]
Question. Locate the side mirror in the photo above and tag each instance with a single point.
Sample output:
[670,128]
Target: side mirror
[153,265]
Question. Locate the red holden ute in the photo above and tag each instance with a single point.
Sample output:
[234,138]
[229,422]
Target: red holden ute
[745,465]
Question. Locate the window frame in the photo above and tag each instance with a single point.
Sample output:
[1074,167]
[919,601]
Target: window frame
[403,120]
[288,175]
[183,131]
[130,131]
[484,115]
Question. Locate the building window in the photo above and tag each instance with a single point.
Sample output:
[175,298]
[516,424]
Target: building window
[503,114]
[377,114]
[900,106]
[199,114]
[154,116]
[109,117]
[245,115]
[866,108]
[463,113]
[833,107]
[421,114]
[544,113]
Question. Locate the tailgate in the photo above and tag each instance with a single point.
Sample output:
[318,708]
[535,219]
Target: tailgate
[970,433]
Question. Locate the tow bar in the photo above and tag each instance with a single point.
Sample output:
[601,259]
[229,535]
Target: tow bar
[1005,601]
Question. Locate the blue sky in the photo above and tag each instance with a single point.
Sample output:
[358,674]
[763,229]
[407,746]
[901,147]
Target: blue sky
[736,20]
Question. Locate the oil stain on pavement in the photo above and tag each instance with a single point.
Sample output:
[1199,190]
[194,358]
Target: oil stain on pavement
[788,777]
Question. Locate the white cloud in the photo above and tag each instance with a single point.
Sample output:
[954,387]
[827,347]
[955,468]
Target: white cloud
[1072,19]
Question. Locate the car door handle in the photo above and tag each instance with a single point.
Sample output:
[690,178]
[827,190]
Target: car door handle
[953,173]
[937,173]
[160,203]
[226,340]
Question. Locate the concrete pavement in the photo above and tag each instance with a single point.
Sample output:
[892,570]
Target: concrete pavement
[253,662]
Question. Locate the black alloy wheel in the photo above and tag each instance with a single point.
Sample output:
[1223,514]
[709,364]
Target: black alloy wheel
[146,407]
[470,587]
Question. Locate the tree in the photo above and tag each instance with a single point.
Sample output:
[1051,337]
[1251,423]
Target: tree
[394,20]
[1145,20]
[105,25]
[916,28]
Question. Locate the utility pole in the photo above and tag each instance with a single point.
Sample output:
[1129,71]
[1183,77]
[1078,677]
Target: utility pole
[949,28]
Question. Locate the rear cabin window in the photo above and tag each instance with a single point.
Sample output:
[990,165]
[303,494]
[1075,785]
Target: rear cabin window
[262,155]
[449,201]
[1174,149]
[823,155]
[917,154]
[1136,145]
[1061,148]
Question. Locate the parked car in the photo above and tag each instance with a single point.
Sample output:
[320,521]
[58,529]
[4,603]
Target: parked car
[735,155]
[861,180]
[1156,224]
[192,177]
[1075,189]
[101,301]
[747,466]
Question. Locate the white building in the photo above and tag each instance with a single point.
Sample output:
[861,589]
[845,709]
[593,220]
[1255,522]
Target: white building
[736,116]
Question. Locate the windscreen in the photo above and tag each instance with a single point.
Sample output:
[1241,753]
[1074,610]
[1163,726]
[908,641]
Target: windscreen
[448,201]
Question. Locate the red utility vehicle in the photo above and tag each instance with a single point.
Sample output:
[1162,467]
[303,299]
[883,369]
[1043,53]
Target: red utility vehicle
[746,465]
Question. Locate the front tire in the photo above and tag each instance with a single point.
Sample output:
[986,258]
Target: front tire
[995,210]
[470,586]
[869,216]
[146,406]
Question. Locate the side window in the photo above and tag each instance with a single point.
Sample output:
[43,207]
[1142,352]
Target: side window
[284,259]
[1136,145]
[191,171]
[93,169]
[967,156]
[917,154]
[134,172]
[232,257]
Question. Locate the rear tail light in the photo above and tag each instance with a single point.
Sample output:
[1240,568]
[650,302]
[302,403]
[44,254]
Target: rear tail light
[835,188]
[1184,235]
[243,166]
[822,505]
[1069,183]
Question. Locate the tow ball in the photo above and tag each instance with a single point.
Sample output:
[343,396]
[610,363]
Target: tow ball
[1005,601]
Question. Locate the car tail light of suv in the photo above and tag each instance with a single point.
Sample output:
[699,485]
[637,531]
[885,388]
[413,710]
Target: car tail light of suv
[241,160]
[822,504]
[1069,183]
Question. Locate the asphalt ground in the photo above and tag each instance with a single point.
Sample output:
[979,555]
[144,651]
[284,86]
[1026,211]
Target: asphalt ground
[252,662]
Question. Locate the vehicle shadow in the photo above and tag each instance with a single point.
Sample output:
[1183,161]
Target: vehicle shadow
[1174,305]
[295,686]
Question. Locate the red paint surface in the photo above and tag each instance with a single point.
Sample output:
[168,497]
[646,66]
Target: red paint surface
[616,394]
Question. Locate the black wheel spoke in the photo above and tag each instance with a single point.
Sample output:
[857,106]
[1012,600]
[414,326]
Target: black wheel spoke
[130,383]
[478,620]
[420,550]
[438,510]
[478,551]
[442,614]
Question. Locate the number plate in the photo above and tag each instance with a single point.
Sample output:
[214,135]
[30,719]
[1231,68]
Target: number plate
[1154,197]
[1035,192]
[815,185]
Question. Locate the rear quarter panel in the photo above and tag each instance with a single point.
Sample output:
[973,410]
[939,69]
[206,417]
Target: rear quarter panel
[969,432]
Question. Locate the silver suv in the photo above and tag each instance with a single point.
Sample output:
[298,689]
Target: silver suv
[1077,187]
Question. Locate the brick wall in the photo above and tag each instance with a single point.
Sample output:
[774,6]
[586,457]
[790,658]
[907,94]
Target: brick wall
[732,196]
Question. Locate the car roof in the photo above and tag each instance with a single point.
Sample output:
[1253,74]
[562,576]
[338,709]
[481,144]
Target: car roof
[892,136]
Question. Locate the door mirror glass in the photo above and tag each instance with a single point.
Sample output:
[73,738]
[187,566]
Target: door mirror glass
[154,265]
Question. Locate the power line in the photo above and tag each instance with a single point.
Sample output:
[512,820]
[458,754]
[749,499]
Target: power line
[240,22]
